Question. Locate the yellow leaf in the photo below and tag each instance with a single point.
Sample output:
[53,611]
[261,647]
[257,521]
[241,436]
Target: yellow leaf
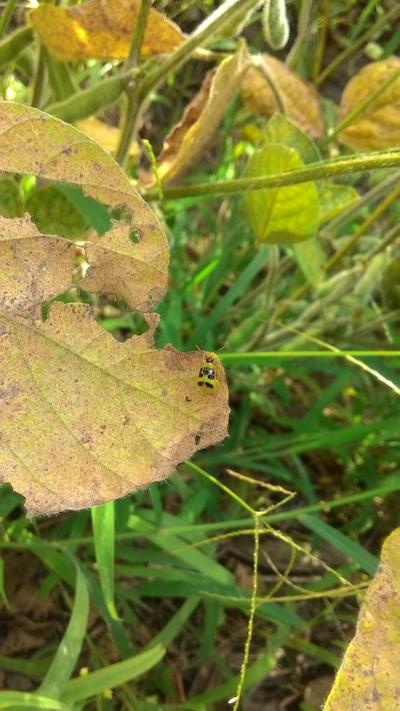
[202,116]
[300,98]
[101,29]
[378,125]
[105,135]
[84,418]
[368,678]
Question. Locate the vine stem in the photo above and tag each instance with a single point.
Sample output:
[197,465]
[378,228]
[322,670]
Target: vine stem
[6,16]
[228,11]
[314,171]
[138,35]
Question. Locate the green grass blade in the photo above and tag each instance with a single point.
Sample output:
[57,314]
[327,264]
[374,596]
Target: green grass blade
[175,624]
[103,523]
[342,543]
[68,651]
[238,287]
[25,700]
[114,675]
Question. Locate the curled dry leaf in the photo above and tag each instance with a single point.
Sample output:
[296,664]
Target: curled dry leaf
[300,98]
[368,678]
[101,29]
[378,125]
[84,418]
[202,116]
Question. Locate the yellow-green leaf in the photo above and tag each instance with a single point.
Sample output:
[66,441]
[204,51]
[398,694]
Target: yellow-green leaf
[378,125]
[311,259]
[281,215]
[202,116]
[102,30]
[368,678]
[333,199]
[300,99]
[281,130]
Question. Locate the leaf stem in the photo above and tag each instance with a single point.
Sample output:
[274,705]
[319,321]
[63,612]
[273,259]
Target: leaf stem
[313,171]
[6,16]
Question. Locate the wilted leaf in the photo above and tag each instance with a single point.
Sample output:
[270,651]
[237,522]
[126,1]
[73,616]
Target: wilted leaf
[105,135]
[101,29]
[202,116]
[53,213]
[38,144]
[378,125]
[300,99]
[84,418]
[368,678]
[281,215]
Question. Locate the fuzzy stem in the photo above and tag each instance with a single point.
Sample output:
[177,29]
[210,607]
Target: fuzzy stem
[313,171]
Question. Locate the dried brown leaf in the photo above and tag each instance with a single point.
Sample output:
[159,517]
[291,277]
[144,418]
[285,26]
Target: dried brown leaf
[101,29]
[34,143]
[34,267]
[202,116]
[84,418]
[378,125]
[300,98]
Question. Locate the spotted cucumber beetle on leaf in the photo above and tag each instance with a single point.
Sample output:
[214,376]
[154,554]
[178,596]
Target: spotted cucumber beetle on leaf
[206,377]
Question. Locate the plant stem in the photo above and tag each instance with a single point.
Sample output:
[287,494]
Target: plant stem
[216,21]
[6,16]
[303,33]
[138,36]
[40,80]
[314,171]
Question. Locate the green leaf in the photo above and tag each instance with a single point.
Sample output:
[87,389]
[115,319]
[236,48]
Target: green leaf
[311,259]
[53,213]
[333,199]
[103,522]
[11,198]
[280,130]
[113,675]
[68,650]
[281,215]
